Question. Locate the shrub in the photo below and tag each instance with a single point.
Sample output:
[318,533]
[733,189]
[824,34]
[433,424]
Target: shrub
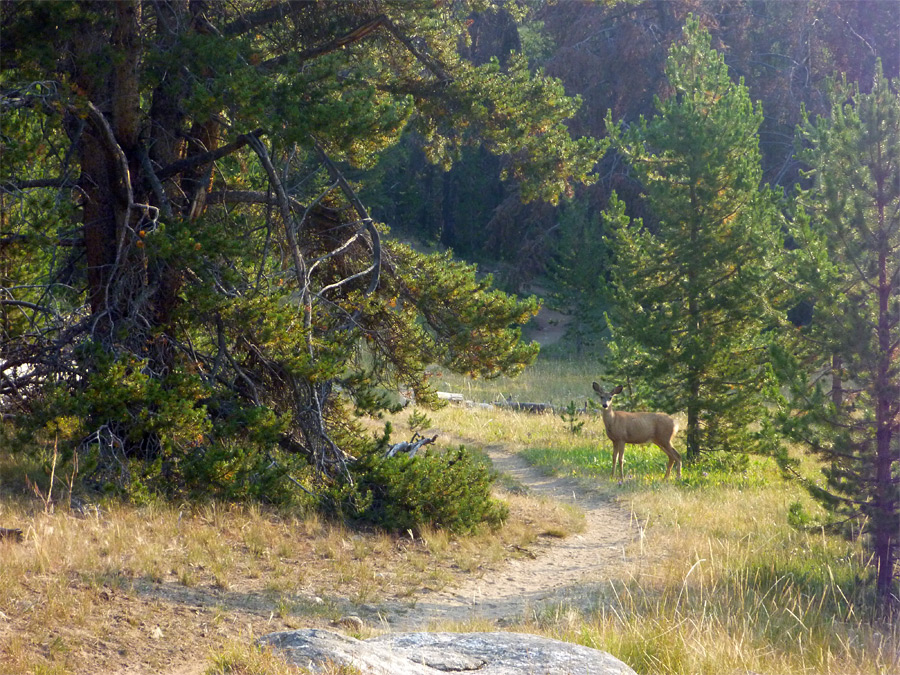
[450,490]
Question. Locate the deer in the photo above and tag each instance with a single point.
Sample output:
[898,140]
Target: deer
[637,428]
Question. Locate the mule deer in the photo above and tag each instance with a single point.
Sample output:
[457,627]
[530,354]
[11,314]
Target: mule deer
[637,428]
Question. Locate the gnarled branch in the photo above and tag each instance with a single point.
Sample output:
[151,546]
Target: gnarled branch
[183,165]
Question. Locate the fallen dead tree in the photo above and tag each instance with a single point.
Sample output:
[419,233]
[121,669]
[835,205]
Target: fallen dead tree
[536,408]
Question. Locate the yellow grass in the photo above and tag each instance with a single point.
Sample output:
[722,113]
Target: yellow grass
[144,585]
[719,582]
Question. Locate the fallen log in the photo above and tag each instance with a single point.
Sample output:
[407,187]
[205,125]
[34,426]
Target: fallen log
[11,534]
[537,408]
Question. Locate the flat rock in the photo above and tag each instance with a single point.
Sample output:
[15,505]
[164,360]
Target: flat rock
[436,653]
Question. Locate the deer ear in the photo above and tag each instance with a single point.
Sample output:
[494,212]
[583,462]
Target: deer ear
[617,390]
[597,388]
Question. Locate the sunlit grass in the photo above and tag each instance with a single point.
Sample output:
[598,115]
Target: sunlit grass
[718,582]
[555,381]
[114,575]
[726,585]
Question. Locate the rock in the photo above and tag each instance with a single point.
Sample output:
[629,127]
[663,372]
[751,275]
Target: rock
[436,653]
[449,396]
[312,648]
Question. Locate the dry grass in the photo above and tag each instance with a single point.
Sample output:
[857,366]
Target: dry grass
[726,586]
[165,583]
[720,582]
[554,381]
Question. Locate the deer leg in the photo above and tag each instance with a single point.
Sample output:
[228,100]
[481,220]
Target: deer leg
[674,459]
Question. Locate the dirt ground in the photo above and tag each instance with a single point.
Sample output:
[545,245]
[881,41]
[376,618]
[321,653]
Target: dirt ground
[559,570]
[556,570]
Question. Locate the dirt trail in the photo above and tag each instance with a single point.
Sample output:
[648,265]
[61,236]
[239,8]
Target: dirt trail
[561,569]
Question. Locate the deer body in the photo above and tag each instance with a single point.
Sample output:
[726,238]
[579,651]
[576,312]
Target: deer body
[637,428]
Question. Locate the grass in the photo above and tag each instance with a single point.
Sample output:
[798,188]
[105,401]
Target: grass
[556,381]
[719,581]
[146,585]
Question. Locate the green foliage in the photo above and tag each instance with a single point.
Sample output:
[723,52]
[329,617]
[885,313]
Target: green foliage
[450,490]
[846,263]
[692,299]
[439,311]
[128,432]
[571,416]
[579,268]
[198,320]
[513,113]
[418,421]
[645,466]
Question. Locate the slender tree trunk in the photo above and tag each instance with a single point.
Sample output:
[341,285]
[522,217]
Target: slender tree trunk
[694,324]
[885,533]
[448,212]
[837,385]
[693,415]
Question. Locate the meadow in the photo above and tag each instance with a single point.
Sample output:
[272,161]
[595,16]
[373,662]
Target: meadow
[721,582]
[716,582]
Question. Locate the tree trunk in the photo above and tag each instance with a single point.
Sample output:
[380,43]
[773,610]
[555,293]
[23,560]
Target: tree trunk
[448,210]
[837,385]
[885,533]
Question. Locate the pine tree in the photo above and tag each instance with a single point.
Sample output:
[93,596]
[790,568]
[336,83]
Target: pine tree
[847,263]
[199,273]
[691,297]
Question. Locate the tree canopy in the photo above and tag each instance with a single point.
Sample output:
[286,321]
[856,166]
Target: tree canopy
[185,266]
[847,265]
[691,296]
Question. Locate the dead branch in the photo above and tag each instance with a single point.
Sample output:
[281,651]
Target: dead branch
[410,447]
[355,35]
[266,16]
[338,178]
[183,165]
[284,205]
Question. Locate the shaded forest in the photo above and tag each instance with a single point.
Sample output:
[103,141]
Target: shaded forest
[612,56]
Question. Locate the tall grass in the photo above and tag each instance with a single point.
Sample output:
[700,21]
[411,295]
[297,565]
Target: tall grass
[727,585]
[718,581]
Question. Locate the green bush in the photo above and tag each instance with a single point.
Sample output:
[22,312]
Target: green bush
[449,490]
[126,433]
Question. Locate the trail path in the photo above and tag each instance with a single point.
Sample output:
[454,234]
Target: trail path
[558,570]
[561,569]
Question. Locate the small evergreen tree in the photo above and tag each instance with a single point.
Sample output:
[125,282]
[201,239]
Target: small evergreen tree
[690,299]
[848,264]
